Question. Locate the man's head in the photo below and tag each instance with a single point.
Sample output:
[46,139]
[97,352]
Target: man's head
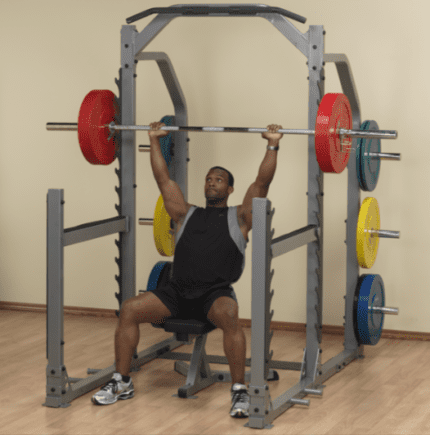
[218,186]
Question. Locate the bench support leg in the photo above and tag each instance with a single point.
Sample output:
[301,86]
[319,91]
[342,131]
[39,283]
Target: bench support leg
[199,374]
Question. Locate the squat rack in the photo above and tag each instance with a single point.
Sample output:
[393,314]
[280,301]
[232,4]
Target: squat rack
[262,409]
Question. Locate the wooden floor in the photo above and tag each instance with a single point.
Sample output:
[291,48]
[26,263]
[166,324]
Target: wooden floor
[388,392]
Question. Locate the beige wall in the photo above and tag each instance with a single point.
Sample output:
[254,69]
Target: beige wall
[234,72]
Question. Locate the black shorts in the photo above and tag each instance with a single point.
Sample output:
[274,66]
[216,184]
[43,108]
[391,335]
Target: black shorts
[182,308]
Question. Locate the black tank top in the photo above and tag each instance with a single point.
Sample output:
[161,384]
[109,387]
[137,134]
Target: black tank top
[209,252]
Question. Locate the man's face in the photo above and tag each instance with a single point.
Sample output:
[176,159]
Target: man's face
[216,185]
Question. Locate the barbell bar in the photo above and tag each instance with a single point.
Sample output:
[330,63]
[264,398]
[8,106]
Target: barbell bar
[100,111]
[380,134]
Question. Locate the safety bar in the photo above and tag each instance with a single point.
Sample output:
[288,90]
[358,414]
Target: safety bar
[94,230]
[293,240]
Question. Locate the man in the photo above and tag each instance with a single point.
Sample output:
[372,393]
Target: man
[209,257]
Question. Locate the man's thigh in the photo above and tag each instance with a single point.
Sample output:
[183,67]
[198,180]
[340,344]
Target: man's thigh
[147,308]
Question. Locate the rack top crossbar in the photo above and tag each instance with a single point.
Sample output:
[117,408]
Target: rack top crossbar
[216,10]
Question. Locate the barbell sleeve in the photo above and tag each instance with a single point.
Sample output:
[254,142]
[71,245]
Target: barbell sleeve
[370,134]
[62,126]
[384,310]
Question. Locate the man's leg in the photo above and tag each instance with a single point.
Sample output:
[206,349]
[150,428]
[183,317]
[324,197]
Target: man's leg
[146,308]
[224,314]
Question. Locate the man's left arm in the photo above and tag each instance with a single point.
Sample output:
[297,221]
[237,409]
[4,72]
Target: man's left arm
[260,187]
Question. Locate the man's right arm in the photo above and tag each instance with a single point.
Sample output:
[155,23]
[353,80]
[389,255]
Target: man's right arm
[159,166]
[173,198]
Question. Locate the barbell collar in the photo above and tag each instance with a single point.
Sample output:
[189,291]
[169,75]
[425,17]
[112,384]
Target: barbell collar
[384,310]
[384,234]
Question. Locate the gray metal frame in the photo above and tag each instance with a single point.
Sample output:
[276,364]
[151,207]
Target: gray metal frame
[263,410]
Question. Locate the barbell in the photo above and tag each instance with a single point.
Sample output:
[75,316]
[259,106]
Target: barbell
[96,130]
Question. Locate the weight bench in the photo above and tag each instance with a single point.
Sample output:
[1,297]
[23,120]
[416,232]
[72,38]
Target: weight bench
[198,373]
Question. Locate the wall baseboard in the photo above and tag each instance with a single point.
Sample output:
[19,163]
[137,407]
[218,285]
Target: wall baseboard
[246,323]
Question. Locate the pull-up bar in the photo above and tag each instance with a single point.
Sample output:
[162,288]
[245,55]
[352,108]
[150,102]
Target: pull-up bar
[232,10]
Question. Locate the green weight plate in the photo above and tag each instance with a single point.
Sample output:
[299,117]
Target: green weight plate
[358,158]
[370,166]
[166,142]
[368,324]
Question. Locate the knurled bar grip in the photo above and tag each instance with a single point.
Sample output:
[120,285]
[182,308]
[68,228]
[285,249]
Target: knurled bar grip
[237,10]
[373,134]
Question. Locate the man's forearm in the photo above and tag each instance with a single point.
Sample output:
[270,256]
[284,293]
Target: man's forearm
[159,166]
[268,166]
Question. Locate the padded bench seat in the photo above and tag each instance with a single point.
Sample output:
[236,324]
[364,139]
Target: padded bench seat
[185,327]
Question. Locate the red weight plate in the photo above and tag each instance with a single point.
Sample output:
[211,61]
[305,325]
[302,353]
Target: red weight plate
[334,113]
[98,109]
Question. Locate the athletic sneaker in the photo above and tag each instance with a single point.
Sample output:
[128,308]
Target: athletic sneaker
[113,391]
[239,401]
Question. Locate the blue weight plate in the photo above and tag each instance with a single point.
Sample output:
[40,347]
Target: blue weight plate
[166,142]
[156,274]
[370,167]
[358,157]
[368,324]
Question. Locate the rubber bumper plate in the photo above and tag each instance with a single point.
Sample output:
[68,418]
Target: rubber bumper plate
[368,324]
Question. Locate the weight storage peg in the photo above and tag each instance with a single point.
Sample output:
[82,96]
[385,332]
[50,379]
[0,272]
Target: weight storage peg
[369,232]
[96,127]
[368,158]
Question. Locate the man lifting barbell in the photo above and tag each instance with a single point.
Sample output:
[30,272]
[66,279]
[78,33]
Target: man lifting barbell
[209,257]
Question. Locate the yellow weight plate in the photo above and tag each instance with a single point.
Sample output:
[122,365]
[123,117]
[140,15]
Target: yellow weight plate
[163,235]
[367,243]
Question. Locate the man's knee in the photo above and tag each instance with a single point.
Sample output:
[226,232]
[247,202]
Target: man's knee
[127,311]
[224,313]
